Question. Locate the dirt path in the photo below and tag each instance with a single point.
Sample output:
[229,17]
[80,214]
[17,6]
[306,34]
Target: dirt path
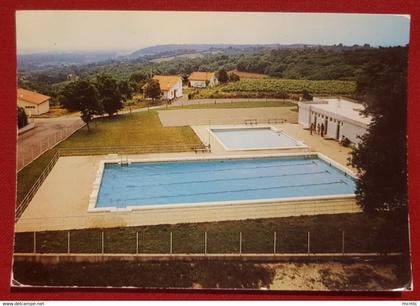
[334,276]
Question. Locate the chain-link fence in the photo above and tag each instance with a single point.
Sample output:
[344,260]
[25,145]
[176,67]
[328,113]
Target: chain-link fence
[132,241]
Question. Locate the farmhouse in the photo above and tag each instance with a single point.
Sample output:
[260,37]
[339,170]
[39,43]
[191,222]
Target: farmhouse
[202,79]
[170,86]
[33,102]
[339,116]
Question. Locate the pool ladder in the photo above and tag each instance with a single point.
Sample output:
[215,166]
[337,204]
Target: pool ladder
[124,162]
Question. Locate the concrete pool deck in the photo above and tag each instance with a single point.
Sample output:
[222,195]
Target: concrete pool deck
[62,203]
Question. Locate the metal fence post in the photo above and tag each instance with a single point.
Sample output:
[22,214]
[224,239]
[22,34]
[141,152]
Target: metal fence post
[34,242]
[240,242]
[205,243]
[103,247]
[137,242]
[342,242]
[309,242]
[68,242]
[274,242]
[170,242]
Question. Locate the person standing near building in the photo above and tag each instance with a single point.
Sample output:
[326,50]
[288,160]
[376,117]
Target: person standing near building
[322,130]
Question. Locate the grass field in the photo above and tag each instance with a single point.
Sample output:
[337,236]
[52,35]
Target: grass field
[250,104]
[249,75]
[142,128]
[362,234]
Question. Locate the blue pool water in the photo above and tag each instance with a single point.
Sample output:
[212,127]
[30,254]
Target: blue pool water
[254,139]
[219,180]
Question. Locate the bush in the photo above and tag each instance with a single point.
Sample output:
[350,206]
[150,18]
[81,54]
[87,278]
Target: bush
[22,118]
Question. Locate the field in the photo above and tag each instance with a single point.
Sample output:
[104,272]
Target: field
[331,87]
[249,75]
[169,58]
[273,88]
[140,128]
[245,104]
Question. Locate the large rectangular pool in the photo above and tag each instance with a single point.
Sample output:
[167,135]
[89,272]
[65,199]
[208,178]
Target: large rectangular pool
[186,182]
[261,138]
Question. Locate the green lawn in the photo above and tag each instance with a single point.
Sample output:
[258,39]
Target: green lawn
[141,128]
[136,129]
[362,234]
[245,104]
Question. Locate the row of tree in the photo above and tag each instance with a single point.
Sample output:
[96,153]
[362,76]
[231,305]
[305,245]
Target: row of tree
[103,95]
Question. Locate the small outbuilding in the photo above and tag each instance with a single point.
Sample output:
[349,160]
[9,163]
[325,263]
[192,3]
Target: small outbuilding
[34,103]
[340,118]
[170,86]
[199,79]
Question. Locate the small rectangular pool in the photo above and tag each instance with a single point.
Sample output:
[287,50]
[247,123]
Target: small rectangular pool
[262,138]
[217,181]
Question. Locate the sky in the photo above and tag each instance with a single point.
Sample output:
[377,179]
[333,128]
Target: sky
[65,31]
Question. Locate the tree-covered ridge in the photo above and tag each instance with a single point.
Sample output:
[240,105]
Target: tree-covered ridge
[332,63]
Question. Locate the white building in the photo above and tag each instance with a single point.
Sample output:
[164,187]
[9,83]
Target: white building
[33,102]
[170,86]
[340,117]
[199,79]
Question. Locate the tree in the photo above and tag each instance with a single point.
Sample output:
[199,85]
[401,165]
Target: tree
[22,118]
[306,95]
[222,76]
[381,157]
[81,96]
[137,81]
[125,90]
[152,89]
[233,77]
[109,94]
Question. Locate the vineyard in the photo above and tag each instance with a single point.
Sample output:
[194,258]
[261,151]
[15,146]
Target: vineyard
[330,87]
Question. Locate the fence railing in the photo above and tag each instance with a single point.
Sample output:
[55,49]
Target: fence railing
[27,154]
[204,243]
[140,149]
[21,206]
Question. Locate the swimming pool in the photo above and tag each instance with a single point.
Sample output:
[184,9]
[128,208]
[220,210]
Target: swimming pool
[261,138]
[159,184]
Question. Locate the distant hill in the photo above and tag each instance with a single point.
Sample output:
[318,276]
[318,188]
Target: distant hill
[198,48]
[39,60]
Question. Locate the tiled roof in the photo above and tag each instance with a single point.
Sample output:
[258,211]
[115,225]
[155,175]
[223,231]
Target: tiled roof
[166,82]
[201,76]
[30,96]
